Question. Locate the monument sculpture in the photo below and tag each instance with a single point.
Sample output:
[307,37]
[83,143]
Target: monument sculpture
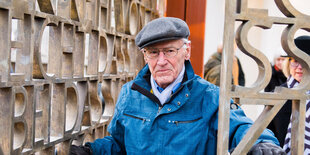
[49,93]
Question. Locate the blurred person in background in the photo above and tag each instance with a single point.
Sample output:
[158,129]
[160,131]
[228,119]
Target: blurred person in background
[294,71]
[212,69]
[277,77]
[279,123]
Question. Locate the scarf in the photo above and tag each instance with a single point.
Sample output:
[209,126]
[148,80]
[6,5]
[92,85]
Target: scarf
[164,95]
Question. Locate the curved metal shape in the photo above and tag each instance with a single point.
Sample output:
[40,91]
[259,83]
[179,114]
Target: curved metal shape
[48,104]
[125,51]
[133,18]
[72,106]
[38,68]
[289,46]
[264,69]
[94,102]
[288,10]
[108,98]
[103,52]
[253,95]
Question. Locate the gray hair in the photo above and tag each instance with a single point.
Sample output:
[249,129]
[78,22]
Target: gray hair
[186,41]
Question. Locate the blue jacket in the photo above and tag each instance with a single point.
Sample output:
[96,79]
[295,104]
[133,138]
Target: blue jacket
[185,124]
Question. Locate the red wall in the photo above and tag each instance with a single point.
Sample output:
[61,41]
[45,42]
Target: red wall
[194,13]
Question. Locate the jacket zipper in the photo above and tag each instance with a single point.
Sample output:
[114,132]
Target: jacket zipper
[172,95]
[159,108]
[143,119]
[191,121]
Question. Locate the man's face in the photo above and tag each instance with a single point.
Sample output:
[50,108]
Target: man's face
[166,69]
[279,61]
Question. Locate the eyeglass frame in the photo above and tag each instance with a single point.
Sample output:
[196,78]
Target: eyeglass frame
[164,50]
[294,64]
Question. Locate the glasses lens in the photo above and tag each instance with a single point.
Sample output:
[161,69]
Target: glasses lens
[294,63]
[170,52]
[152,52]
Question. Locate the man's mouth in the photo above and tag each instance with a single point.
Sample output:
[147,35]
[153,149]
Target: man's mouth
[163,71]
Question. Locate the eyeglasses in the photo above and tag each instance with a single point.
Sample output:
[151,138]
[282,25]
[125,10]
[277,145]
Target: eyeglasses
[169,52]
[294,64]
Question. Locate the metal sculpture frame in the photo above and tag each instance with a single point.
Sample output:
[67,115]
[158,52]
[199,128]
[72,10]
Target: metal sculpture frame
[47,106]
[237,10]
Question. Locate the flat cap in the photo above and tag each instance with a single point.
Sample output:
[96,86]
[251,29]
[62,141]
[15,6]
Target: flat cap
[303,43]
[162,29]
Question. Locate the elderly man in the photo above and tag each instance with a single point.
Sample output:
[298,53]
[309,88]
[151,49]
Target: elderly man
[167,109]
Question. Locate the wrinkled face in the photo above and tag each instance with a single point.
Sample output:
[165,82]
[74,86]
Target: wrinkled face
[164,68]
[279,61]
[295,69]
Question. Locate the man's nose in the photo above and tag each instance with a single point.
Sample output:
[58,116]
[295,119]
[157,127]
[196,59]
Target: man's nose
[161,57]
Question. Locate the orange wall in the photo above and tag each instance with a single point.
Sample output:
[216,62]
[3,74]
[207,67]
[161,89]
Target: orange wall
[194,13]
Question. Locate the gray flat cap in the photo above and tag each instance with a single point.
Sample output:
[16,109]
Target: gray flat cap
[162,29]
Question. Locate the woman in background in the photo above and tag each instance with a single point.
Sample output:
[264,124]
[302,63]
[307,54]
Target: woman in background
[294,71]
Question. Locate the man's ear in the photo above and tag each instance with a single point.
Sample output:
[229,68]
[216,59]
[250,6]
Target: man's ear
[188,51]
[144,57]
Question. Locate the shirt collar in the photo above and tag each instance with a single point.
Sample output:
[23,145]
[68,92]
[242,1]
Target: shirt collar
[175,85]
[165,94]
